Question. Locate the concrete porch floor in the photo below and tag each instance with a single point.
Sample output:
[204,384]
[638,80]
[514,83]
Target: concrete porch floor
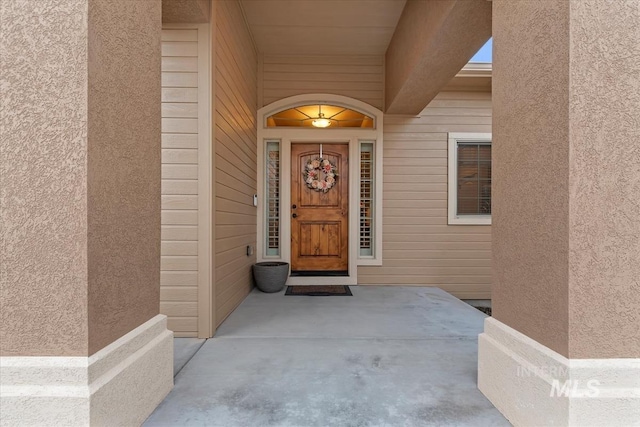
[387,356]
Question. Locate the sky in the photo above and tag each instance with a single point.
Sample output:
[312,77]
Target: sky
[484,54]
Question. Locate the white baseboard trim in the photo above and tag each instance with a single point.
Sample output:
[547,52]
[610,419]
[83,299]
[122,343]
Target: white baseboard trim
[533,385]
[119,385]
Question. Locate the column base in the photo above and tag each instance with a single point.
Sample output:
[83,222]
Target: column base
[119,385]
[533,385]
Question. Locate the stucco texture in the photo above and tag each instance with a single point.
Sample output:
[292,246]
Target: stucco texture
[531,169]
[566,243]
[604,184]
[43,169]
[124,167]
[186,11]
[80,173]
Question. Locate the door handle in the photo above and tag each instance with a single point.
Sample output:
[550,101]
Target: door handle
[294,215]
[294,206]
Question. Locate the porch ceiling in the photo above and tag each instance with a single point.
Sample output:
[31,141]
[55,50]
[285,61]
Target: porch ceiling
[329,27]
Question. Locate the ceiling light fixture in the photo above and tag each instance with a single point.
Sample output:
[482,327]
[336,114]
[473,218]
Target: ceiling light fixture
[321,121]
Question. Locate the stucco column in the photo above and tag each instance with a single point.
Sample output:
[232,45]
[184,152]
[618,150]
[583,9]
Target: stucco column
[81,338]
[563,347]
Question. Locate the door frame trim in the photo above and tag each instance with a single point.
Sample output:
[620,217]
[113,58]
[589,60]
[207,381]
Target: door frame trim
[287,136]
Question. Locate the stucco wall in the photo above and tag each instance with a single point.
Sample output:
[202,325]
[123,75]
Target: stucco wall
[566,124]
[124,167]
[604,183]
[531,169]
[43,207]
[80,173]
[186,11]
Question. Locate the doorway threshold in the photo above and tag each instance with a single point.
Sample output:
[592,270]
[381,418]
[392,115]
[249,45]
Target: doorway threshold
[319,273]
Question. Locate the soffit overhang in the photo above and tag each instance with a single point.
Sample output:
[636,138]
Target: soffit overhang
[434,40]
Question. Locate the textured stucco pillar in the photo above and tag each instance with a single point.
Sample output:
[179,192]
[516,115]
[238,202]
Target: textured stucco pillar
[81,340]
[566,214]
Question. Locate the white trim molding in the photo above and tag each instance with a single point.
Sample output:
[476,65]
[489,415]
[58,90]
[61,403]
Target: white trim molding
[119,385]
[452,205]
[352,136]
[476,69]
[533,385]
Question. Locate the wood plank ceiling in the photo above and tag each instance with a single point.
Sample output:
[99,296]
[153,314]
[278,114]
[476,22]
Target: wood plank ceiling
[328,27]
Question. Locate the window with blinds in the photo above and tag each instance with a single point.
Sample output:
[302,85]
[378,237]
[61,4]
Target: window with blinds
[273,198]
[469,178]
[474,178]
[366,199]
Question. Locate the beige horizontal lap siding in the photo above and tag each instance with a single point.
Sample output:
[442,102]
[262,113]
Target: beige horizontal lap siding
[419,247]
[358,77]
[179,264]
[235,122]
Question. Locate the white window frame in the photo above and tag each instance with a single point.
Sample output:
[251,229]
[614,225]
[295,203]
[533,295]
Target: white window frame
[264,211]
[454,140]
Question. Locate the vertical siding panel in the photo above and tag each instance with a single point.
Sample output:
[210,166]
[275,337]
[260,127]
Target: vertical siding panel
[236,140]
[419,247]
[179,267]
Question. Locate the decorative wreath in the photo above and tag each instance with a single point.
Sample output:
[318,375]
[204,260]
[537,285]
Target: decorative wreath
[320,174]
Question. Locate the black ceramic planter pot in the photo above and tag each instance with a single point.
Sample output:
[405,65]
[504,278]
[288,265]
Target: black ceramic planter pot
[271,276]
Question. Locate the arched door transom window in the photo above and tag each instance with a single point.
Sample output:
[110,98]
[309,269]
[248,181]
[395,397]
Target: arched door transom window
[320,116]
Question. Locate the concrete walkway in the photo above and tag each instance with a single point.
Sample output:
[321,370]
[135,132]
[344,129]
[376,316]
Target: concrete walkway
[183,350]
[387,356]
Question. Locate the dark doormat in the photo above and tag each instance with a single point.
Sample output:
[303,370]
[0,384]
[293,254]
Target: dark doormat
[319,291]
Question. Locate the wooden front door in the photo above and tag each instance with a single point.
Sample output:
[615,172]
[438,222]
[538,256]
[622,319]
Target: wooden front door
[319,220]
